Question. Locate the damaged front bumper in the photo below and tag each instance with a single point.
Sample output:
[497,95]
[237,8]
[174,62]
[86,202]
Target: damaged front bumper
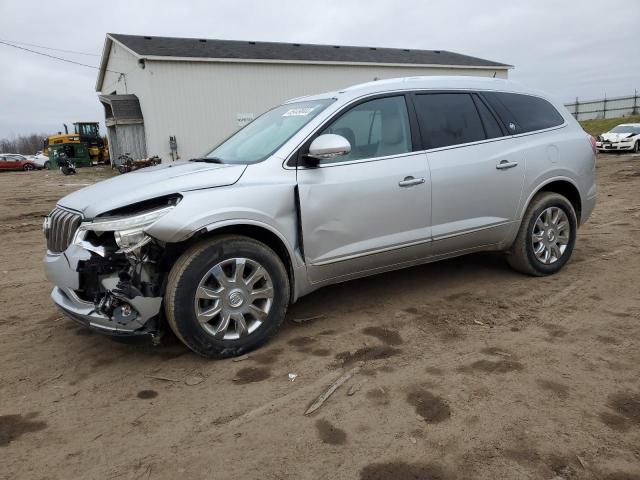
[608,146]
[133,317]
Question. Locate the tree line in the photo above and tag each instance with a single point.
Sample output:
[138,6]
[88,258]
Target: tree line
[24,144]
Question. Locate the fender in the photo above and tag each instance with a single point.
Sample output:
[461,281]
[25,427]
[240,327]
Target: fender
[540,186]
[299,281]
[295,259]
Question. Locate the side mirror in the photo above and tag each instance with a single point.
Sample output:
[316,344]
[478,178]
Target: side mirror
[328,146]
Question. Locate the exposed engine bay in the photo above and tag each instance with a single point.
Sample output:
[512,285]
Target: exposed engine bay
[124,286]
[109,272]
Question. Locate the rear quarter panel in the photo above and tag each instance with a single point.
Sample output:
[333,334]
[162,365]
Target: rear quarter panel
[563,153]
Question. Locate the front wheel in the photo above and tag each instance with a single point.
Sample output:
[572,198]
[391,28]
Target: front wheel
[546,236]
[226,295]
[636,147]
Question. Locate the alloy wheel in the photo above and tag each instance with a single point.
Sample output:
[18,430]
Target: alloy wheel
[551,234]
[234,298]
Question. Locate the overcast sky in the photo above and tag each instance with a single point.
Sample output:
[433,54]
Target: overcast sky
[583,48]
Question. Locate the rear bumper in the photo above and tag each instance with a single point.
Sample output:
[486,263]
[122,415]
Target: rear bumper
[587,208]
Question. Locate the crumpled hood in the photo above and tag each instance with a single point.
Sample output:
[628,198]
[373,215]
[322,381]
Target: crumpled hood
[615,137]
[148,183]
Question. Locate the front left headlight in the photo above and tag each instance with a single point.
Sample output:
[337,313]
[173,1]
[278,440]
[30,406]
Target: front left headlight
[128,231]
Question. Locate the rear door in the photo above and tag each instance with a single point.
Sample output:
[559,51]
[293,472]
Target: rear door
[368,210]
[477,172]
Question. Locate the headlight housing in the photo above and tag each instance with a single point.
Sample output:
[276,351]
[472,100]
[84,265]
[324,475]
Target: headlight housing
[128,231]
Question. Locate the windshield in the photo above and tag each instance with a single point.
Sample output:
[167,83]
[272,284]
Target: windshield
[268,132]
[626,129]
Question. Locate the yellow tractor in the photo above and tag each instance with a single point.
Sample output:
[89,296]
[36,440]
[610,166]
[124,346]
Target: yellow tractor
[87,133]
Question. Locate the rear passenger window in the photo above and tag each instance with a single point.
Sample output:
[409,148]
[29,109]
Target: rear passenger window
[491,125]
[448,119]
[529,113]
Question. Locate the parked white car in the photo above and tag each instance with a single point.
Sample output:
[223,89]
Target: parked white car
[624,137]
[40,159]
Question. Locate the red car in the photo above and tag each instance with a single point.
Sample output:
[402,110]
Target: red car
[13,161]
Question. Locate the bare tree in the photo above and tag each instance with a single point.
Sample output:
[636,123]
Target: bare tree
[25,144]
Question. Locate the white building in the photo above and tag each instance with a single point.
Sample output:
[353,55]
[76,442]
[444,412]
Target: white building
[160,92]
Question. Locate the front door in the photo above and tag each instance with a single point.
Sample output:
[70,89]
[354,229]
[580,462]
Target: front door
[10,163]
[477,171]
[370,209]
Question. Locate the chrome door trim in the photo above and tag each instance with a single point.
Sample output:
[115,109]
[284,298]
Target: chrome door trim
[370,252]
[472,230]
[405,245]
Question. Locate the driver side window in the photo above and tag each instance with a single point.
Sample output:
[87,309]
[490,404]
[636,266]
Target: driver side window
[377,128]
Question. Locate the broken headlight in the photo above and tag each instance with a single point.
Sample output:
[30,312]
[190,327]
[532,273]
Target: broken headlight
[128,231]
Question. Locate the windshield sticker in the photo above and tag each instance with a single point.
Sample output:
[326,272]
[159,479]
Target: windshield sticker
[244,118]
[298,112]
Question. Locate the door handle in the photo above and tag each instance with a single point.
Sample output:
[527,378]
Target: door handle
[505,164]
[410,181]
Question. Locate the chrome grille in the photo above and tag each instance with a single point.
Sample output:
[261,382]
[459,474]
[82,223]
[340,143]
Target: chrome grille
[59,228]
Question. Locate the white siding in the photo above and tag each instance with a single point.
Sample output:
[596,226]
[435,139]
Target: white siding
[198,102]
[134,81]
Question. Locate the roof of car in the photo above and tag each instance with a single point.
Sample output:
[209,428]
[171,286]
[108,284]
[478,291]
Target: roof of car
[435,82]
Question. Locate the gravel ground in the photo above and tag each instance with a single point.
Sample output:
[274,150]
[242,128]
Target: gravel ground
[470,370]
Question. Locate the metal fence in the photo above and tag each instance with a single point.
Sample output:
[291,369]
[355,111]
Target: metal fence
[605,107]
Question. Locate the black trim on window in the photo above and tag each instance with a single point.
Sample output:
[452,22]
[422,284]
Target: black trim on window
[500,101]
[477,99]
[416,140]
[504,116]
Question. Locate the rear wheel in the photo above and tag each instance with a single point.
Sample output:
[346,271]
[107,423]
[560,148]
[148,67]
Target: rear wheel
[546,236]
[47,165]
[226,296]
[28,167]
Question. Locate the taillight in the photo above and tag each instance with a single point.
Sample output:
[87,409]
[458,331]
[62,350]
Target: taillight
[593,144]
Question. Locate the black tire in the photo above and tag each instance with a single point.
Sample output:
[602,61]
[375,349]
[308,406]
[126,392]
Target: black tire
[185,277]
[122,169]
[28,167]
[46,165]
[521,256]
[636,147]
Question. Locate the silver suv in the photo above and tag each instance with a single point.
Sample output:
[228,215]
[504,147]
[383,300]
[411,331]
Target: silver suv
[321,190]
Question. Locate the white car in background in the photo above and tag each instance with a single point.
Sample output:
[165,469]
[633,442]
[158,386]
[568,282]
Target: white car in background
[40,159]
[624,137]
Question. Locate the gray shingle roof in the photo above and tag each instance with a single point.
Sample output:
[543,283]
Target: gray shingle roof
[233,49]
[123,107]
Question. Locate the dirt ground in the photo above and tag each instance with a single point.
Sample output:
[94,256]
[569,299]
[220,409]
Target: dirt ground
[470,370]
